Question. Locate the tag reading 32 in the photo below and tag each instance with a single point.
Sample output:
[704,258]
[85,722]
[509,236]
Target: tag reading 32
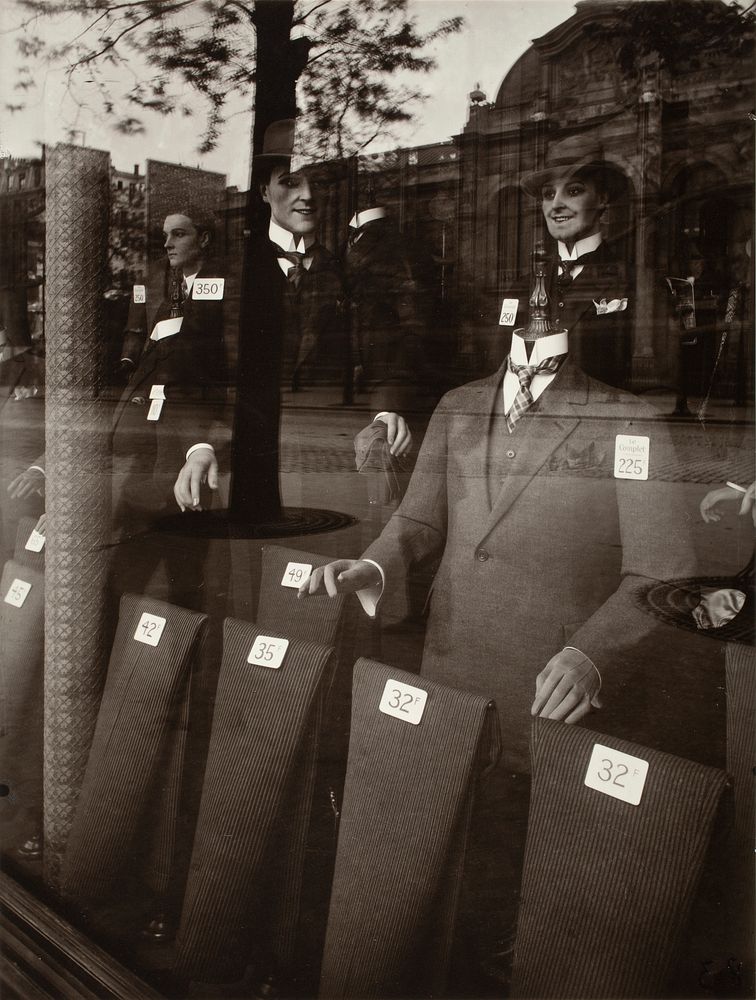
[295,574]
[403,701]
[149,629]
[268,651]
[617,774]
[35,542]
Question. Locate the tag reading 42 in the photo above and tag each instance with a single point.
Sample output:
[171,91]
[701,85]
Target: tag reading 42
[617,774]
[268,651]
[149,629]
[403,701]
[295,574]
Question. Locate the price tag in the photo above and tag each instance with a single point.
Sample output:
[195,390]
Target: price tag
[296,574]
[508,312]
[35,542]
[149,629]
[617,774]
[631,456]
[268,651]
[157,392]
[403,701]
[140,294]
[208,288]
[17,593]
[156,407]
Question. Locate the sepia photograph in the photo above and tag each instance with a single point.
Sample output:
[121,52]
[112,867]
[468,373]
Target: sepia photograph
[377,500]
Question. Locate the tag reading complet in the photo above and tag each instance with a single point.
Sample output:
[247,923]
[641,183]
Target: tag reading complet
[140,294]
[35,542]
[268,651]
[631,453]
[403,701]
[17,593]
[295,574]
[508,312]
[149,629]
[206,289]
[617,774]
[156,407]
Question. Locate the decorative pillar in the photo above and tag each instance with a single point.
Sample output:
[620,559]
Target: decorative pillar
[78,484]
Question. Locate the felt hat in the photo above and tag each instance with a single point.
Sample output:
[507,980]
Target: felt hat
[567,157]
[283,140]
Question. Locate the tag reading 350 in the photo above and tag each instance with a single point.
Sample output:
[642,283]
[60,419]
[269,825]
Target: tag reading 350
[403,701]
[617,774]
[208,289]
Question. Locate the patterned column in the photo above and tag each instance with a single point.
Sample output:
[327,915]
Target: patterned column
[77,487]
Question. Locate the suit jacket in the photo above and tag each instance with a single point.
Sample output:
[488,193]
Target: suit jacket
[554,558]
[190,365]
[387,306]
[600,342]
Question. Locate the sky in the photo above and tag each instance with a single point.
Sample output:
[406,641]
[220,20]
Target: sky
[495,35]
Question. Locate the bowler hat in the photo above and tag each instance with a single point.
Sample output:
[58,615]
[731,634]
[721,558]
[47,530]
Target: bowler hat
[567,157]
[284,140]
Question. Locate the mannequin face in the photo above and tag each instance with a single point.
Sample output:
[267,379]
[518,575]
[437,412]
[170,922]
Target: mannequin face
[295,200]
[184,244]
[572,208]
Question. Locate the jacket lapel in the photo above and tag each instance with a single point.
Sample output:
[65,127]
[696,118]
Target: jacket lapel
[538,435]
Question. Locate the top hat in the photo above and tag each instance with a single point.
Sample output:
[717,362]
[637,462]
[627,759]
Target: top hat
[568,157]
[283,140]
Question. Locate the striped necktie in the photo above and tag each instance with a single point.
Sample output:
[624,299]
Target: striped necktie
[525,373]
[295,273]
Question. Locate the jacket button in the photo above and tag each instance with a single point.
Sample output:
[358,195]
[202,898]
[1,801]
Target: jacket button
[482,555]
[561,305]
[511,453]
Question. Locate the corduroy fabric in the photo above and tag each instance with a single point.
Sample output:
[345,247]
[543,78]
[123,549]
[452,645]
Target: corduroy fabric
[607,886]
[314,620]
[22,555]
[402,836]
[257,745]
[740,668]
[21,695]
[141,703]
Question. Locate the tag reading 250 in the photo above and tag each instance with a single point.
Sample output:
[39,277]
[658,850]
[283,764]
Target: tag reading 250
[403,701]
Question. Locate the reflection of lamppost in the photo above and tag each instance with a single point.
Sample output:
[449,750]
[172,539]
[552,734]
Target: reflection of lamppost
[441,208]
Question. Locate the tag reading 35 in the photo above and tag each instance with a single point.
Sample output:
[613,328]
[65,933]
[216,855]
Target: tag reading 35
[268,651]
[403,701]
[617,774]
[295,574]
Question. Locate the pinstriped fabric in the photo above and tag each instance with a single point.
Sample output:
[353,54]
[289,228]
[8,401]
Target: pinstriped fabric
[607,886]
[21,692]
[740,668]
[258,738]
[315,620]
[22,555]
[163,825]
[402,835]
[142,695]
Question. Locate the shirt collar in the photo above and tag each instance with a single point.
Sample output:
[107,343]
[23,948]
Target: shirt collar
[587,245]
[287,241]
[367,215]
[189,279]
[545,347]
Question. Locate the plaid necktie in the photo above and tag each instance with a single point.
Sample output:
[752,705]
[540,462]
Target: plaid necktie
[524,398]
[295,273]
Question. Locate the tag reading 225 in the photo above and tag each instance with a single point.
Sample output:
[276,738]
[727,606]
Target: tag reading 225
[403,701]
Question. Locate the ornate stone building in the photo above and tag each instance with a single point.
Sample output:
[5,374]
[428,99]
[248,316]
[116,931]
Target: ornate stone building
[679,135]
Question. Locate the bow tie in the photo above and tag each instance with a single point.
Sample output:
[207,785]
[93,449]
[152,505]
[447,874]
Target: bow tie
[566,268]
[295,273]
